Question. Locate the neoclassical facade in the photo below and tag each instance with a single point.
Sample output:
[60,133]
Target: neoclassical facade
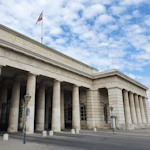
[65,93]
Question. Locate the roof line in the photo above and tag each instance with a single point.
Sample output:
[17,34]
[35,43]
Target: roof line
[45,46]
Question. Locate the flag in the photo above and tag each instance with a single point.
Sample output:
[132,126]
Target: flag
[40,17]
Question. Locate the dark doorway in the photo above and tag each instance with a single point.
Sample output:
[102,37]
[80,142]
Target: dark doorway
[105,113]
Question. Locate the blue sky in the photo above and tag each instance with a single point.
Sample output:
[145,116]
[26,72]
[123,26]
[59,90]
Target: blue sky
[106,34]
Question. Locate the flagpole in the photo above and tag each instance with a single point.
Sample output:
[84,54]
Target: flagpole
[42,29]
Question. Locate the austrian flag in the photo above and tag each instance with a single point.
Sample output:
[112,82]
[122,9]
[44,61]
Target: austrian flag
[40,17]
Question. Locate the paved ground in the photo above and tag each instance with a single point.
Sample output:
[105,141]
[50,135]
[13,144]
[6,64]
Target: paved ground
[86,140]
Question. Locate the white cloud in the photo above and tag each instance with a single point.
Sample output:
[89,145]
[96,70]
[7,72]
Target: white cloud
[104,19]
[136,13]
[133,2]
[93,11]
[147,20]
[117,10]
[136,29]
[88,35]
[113,27]
[60,41]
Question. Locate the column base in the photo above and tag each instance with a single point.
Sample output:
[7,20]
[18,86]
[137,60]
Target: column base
[56,130]
[130,127]
[142,126]
[62,128]
[40,127]
[29,132]
[121,126]
[76,127]
[12,129]
[105,126]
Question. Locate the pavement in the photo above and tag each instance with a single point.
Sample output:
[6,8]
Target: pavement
[85,140]
[137,132]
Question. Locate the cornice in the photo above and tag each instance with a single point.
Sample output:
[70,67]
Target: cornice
[119,74]
[42,58]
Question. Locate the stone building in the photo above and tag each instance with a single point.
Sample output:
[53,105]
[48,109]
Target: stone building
[65,93]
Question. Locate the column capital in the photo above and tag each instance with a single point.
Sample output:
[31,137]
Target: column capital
[140,97]
[125,90]
[109,88]
[135,94]
[89,90]
[130,92]
[31,74]
[57,80]
[75,85]
[92,90]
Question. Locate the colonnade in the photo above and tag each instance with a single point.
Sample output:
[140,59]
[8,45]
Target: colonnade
[129,107]
[57,106]
[135,108]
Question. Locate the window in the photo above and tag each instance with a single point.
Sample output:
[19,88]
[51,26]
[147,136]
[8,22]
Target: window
[83,112]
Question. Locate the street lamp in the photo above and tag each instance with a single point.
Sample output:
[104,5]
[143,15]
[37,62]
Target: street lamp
[112,118]
[111,109]
[27,98]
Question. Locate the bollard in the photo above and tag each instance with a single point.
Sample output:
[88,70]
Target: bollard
[44,134]
[51,133]
[5,137]
[95,130]
[77,130]
[73,131]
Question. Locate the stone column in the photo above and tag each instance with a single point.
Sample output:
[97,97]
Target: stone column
[93,109]
[146,109]
[75,108]
[62,110]
[30,89]
[142,110]
[3,98]
[14,107]
[40,116]
[0,70]
[132,108]
[56,126]
[48,104]
[116,101]
[137,108]
[126,107]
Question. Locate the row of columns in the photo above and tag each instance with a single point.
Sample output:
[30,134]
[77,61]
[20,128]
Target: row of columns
[134,108]
[57,106]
